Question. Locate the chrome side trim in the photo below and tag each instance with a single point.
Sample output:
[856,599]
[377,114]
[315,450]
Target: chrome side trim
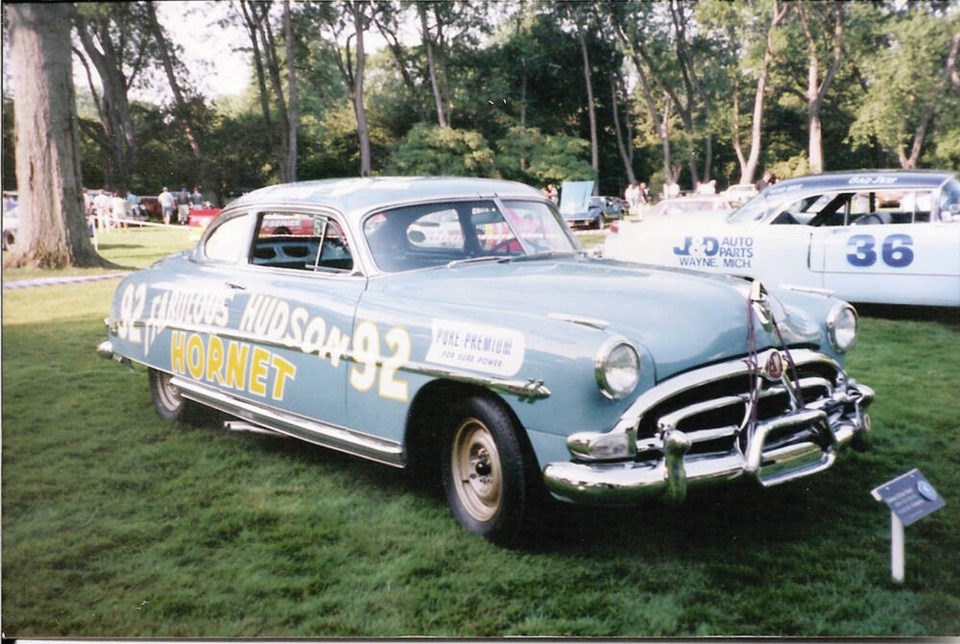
[525,390]
[593,323]
[339,438]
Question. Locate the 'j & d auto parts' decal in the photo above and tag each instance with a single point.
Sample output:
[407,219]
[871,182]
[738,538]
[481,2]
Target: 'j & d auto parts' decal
[715,252]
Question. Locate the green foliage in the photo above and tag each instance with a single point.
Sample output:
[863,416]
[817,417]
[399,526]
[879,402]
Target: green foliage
[117,524]
[526,155]
[432,150]
[908,85]
[518,65]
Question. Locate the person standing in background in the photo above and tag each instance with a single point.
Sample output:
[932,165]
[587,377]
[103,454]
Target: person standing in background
[166,204]
[183,206]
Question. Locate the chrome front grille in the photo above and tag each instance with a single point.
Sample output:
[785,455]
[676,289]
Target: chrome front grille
[716,424]
[718,407]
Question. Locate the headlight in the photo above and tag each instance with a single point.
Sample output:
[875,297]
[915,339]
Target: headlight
[617,368]
[842,326]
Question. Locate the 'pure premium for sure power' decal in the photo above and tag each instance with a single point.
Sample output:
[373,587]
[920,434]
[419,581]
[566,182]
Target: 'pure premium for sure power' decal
[477,347]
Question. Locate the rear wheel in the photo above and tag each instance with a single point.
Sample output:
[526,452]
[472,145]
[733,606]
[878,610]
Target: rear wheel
[485,475]
[167,398]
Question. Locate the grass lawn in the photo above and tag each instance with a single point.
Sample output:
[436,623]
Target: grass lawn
[129,248]
[118,524]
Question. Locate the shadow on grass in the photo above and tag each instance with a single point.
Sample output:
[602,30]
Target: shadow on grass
[739,515]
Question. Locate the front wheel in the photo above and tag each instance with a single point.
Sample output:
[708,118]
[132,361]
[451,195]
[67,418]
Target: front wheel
[167,399]
[485,477]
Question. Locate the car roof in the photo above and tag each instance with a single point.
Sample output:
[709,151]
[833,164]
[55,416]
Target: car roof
[361,195]
[863,180]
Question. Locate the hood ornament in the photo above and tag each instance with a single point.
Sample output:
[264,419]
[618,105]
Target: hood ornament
[760,304]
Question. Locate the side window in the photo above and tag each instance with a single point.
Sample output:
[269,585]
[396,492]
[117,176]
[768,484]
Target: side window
[898,207]
[227,242]
[300,241]
[950,202]
[915,207]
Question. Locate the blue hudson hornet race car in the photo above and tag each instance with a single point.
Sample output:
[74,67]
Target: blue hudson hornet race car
[498,353]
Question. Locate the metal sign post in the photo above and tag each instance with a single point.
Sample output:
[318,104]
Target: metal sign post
[910,498]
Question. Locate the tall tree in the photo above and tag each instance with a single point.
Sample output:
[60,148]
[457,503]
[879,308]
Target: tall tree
[910,84]
[347,22]
[53,229]
[624,133]
[256,17]
[823,30]
[752,27]
[444,26]
[114,45]
[294,101]
[576,17]
[180,100]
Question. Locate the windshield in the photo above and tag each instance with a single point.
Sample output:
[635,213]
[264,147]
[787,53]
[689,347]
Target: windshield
[754,210]
[436,234]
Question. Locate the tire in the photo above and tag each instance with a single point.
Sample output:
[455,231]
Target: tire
[169,403]
[486,478]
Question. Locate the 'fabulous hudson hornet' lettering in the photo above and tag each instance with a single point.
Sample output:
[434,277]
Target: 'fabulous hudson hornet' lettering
[171,307]
[479,347]
[272,319]
[230,363]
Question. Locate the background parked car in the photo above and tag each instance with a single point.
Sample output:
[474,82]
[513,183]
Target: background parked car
[877,236]
[740,193]
[580,209]
[688,205]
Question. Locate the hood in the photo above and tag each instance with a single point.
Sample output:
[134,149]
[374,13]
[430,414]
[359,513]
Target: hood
[575,196]
[687,220]
[682,318]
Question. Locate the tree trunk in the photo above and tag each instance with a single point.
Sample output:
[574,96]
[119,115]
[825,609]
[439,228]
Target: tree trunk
[625,147]
[183,112]
[817,90]
[660,125]
[114,109]
[292,88]
[591,109]
[950,78]
[432,66]
[363,131]
[53,229]
[748,171]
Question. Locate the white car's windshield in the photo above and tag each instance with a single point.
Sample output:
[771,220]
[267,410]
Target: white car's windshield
[437,234]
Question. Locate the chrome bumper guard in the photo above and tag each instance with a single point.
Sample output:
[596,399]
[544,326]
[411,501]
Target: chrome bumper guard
[798,443]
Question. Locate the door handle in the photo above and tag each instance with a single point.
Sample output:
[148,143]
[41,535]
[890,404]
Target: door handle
[236,287]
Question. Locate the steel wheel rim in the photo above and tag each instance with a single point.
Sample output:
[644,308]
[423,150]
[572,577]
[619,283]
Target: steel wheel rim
[168,393]
[477,474]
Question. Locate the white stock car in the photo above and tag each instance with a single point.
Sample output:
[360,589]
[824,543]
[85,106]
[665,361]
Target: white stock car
[872,236]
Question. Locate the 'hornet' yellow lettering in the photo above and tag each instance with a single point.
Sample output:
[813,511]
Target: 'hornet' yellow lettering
[233,364]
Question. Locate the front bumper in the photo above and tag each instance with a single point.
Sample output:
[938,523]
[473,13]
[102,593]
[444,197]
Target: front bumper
[769,447]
